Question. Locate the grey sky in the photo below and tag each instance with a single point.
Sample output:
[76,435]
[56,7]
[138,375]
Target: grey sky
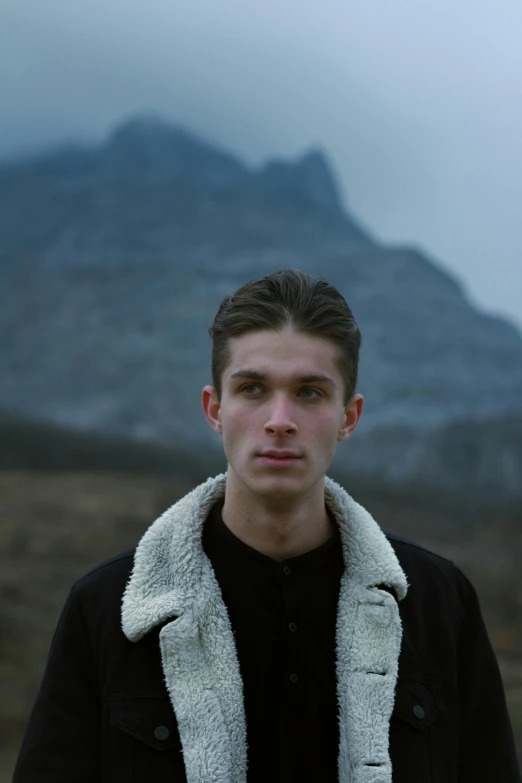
[419,105]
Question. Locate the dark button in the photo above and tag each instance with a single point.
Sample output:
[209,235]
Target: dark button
[287,570]
[161,733]
[294,678]
[292,627]
[418,711]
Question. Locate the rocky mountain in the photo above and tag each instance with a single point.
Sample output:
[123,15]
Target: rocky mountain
[115,257]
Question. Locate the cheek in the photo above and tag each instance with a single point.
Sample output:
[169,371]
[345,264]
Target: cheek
[326,427]
[237,427]
[324,436]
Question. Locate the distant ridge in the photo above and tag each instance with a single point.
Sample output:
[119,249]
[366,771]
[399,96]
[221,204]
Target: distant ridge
[41,446]
[27,444]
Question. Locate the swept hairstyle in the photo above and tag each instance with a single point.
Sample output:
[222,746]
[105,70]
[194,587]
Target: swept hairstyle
[288,297]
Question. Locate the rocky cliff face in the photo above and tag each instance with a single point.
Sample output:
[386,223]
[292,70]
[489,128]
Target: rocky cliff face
[114,260]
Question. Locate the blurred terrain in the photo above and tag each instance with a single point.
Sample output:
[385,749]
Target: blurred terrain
[113,261]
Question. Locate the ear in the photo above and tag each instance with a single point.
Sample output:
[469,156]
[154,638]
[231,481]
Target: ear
[211,408]
[352,414]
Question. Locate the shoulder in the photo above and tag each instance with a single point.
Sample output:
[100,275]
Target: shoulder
[412,555]
[432,577]
[97,595]
[93,607]
[110,573]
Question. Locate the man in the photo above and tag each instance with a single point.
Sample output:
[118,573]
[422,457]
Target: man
[265,628]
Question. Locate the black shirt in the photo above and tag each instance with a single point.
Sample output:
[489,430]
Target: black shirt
[283,615]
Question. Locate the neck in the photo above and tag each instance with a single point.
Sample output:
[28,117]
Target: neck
[277,527]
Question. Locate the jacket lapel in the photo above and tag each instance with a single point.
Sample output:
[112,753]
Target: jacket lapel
[202,676]
[173,578]
[369,633]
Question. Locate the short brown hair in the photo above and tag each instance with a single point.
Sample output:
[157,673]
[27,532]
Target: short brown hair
[288,297]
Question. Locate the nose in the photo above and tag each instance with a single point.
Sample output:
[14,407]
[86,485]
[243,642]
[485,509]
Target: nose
[281,418]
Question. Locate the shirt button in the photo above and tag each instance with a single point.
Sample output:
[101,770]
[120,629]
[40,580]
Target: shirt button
[161,733]
[292,627]
[287,570]
[418,711]
[293,678]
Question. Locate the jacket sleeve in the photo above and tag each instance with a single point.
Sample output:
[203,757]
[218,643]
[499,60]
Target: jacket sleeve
[62,741]
[487,749]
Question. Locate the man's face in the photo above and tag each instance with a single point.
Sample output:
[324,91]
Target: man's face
[281,411]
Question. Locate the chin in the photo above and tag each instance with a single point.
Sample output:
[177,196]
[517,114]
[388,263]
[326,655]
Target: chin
[279,486]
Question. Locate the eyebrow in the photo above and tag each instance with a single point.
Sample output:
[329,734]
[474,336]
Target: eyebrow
[254,375]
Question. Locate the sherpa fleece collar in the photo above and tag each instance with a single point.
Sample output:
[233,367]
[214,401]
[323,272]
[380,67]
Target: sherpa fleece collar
[173,579]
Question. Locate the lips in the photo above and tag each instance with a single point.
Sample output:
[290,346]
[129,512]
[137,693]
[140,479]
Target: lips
[279,458]
[279,454]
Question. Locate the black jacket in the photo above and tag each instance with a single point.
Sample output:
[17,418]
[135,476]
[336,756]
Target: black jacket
[104,711]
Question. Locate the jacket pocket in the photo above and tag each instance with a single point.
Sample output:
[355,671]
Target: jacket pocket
[413,728]
[148,733]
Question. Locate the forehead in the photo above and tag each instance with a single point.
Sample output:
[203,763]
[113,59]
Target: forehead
[284,353]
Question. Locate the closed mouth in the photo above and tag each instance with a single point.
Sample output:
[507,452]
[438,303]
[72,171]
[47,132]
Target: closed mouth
[283,455]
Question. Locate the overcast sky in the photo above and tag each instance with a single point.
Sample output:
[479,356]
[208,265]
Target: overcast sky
[417,104]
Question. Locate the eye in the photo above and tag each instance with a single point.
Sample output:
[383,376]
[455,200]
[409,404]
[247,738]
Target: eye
[251,388]
[310,394]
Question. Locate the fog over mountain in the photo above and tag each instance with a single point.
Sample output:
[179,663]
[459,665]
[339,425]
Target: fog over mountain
[115,258]
[422,117]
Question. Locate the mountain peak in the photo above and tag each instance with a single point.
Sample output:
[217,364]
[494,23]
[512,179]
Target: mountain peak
[149,147]
[146,129]
[319,180]
[309,179]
